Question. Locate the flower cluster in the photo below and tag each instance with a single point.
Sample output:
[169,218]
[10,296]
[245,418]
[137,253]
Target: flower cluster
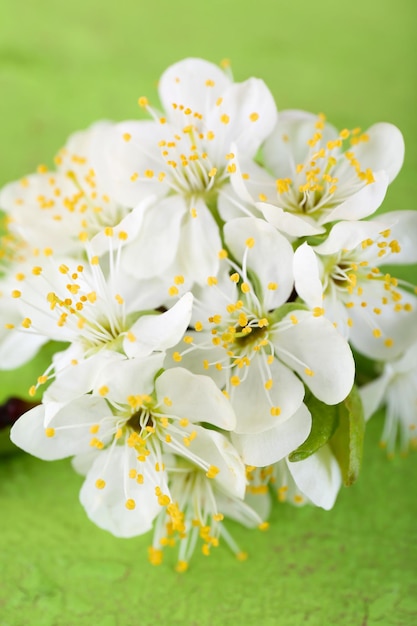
[208,273]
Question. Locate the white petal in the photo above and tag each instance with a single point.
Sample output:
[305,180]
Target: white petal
[272,445]
[200,243]
[270,257]
[287,145]
[189,83]
[252,403]
[287,222]
[314,345]
[154,249]
[362,203]
[195,397]
[383,151]
[306,276]
[128,377]
[159,332]
[372,394]
[318,477]
[124,163]
[71,425]
[107,507]
[404,230]
[210,448]
[251,115]
[349,235]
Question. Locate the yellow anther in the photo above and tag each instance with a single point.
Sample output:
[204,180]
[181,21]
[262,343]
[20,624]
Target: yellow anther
[212,172]
[211,280]
[235,277]
[225,119]
[283,184]
[130,504]
[318,311]
[275,411]
[193,212]
[104,390]
[27,322]
[100,483]
[16,293]
[294,319]
[308,371]
[298,499]
[173,291]
[263,526]
[389,343]
[250,242]
[127,136]
[181,567]
[254,117]
[268,384]
[143,102]
[245,287]
[212,471]
[235,381]
[123,235]
[149,173]
[179,279]
[177,357]
[50,432]
[376,332]
[231,168]
[262,197]
[198,326]
[42,379]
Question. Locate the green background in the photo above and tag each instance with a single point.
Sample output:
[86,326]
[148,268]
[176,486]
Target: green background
[64,65]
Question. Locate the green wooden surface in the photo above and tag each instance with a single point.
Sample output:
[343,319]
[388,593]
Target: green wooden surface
[64,65]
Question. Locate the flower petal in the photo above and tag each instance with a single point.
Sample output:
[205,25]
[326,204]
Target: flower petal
[318,353]
[270,446]
[193,83]
[288,223]
[67,434]
[195,397]
[306,276]
[383,151]
[159,332]
[106,506]
[318,477]
[270,256]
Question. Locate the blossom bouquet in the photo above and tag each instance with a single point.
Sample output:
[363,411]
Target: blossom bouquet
[210,277]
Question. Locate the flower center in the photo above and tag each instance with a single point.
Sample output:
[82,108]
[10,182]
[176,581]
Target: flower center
[328,175]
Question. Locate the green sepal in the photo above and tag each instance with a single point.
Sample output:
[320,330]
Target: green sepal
[325,420]
[284,310]
[347,441]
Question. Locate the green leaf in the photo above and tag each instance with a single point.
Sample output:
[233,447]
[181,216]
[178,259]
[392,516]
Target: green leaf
[325,419]
[347,441]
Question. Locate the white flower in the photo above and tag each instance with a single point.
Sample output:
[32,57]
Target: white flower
[396,389]
[315,480]
[368,305]
[200,501]
[318,178]
[96,307]
[58,206]
[183,158]
[121,432]
[259,352]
